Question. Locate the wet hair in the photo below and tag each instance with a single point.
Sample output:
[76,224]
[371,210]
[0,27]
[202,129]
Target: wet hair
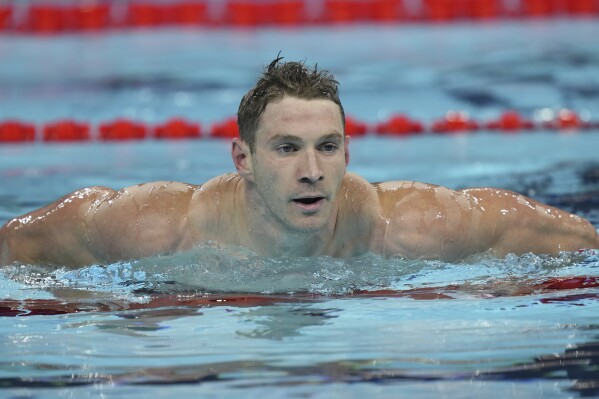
[281,79]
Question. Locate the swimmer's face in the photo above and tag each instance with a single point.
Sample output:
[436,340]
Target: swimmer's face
[299,161]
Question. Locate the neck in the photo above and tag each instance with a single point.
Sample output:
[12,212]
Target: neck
[269,237]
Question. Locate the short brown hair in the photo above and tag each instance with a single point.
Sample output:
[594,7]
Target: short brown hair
[293,79]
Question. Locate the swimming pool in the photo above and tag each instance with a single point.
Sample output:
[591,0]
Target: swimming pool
[178,326]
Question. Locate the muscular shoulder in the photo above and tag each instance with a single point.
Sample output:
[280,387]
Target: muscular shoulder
[425,220]
[158,191]
[217,192]
[138,221]
[213,206]
[160,197]
[407,192]
[357,195]
[421,196]
[358,214]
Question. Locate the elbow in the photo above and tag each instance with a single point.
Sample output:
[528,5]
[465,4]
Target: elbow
[16,245]
[8,245]
[594,238]
[3,247]
[585,235]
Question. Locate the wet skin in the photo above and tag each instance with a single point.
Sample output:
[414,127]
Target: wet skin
[291,196]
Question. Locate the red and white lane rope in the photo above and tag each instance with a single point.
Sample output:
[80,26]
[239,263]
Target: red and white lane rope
[52,16]
[510,122]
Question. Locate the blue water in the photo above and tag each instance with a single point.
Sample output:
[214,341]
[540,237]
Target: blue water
[423,70]
[177,327]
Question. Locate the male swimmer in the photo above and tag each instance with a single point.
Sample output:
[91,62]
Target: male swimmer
[291,196]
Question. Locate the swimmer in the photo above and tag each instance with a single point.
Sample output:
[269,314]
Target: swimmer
[291,196]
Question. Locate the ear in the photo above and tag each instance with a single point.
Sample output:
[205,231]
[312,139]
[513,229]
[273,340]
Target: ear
[346,150]
[241,155]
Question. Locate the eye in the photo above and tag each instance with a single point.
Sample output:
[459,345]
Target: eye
[285,148]
[329,147]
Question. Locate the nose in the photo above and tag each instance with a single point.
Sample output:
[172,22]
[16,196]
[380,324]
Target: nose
[310,170]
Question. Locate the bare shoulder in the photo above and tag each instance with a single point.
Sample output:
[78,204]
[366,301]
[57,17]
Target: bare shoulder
[223,183]
[358,197]
[429,221]
[158,190]
[426,220]
[218,191]
[213,205]
[139,220]
[357,185]
[392,192]
[157,198]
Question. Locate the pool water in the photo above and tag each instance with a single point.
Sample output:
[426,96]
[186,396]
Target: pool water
[209,323]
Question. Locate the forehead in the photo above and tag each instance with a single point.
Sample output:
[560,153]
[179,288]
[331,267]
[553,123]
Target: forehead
[291,115]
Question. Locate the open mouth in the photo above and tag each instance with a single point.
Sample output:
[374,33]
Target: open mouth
[309,204]
[308,201]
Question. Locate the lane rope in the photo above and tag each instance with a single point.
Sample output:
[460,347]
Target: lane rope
[454,122]
[49,17]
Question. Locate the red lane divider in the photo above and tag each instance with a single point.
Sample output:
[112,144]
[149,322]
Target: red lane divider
[46,19]
[145,14]
[37,307]
[189,13]
[582,7]
[244,13]
[67,130]
[343,11]
[89,17]
[570,283]
[16,131]
[177,128]
[225,129]
[455,122]
[510,121]
[122,129]
[540,8]
[354,127]
[157,14]
[5,15]
[247,13]
[52,18]
[399,125]
[567,119]
[291,12]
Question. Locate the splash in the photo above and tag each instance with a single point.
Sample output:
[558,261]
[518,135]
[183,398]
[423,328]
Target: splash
[214,270]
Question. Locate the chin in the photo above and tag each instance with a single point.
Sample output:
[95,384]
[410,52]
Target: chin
[308,226]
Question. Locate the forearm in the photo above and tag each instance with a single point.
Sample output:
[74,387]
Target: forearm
[55,234]
[547,241]
[42,244]
[14,248]
[512,223]
[550,231]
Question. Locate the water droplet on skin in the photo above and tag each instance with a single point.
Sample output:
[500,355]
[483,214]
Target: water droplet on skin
[523,201]
[463,202]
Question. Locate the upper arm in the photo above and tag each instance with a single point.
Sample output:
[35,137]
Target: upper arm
[436,222]
[433,222]
[98,224]
[54,233]
[524,225]
[139,221]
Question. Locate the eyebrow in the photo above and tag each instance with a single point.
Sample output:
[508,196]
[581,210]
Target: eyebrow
[291,137]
